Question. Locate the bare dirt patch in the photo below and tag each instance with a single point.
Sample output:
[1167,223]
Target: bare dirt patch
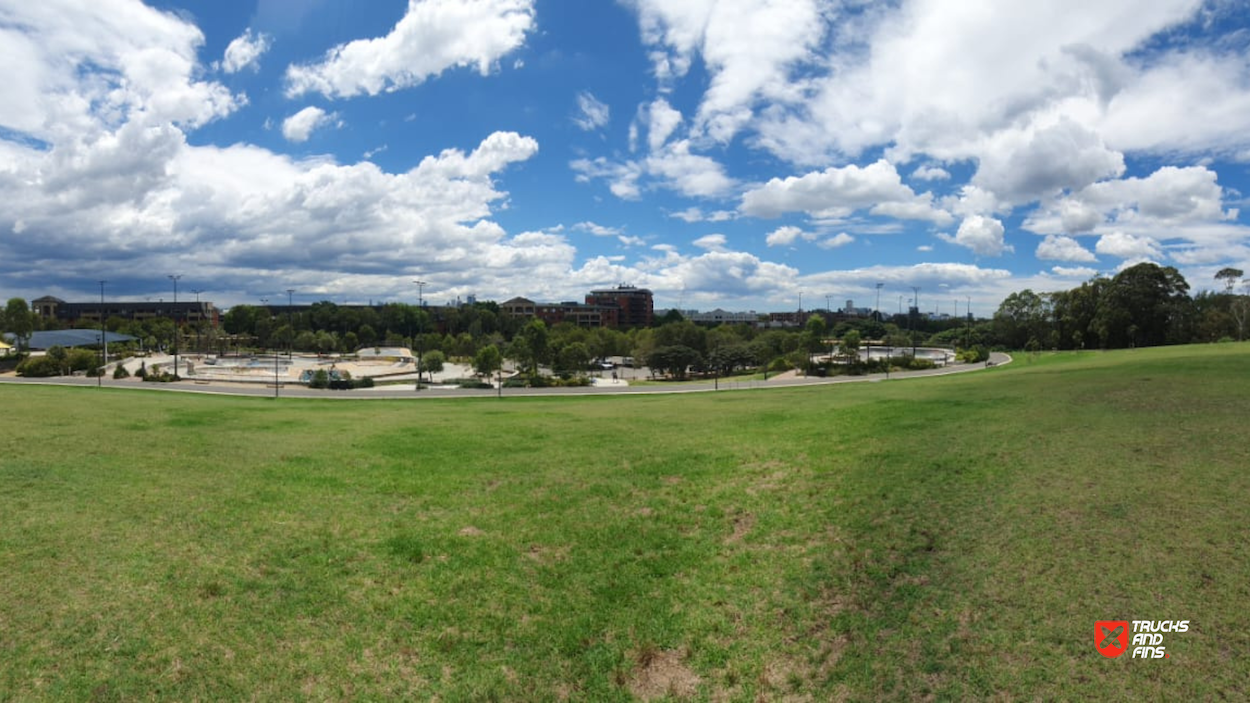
[470,531]
[661,673]
[742,524]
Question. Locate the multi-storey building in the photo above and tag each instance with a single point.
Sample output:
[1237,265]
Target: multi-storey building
[634,306]
[555,313]
[192,312]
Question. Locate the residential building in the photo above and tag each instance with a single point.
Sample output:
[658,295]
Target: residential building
[634,306]
[50,307]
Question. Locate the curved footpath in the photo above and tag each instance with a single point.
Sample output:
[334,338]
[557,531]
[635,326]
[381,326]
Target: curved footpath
[292,390]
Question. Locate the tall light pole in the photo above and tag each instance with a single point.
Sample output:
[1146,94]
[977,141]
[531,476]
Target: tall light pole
[878,316]
[829,312]
[104,340]
[199,318]
[968,336]
[916,307]
[290,322]
[174,277]
[265,302]
[420,304]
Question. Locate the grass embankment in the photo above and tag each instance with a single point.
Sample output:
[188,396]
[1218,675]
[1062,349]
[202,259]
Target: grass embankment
[952,537]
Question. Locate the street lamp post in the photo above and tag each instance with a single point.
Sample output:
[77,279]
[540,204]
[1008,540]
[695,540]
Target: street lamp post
[916,307]
[968,312]
[104,341]
[420,304]
[878,314]
[290,323]
[829,312]
[265,302]
[174,277]
[199,319]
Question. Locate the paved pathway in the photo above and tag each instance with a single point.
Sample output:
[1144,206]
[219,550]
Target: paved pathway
[292,390]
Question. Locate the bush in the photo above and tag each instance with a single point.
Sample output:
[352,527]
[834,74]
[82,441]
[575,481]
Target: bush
[82,360]
[120,372]
[143,370]
[366,382]
[320,379]
[780,365]
[974,355]
[916,364]
[531,382]
[38,367]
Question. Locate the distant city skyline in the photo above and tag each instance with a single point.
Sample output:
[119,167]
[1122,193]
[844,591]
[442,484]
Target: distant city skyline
[735,154]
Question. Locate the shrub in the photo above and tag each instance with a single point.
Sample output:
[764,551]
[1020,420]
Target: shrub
[780,365]
[974,355]
[120,372]
[320,379]
[82,360]
[143,370]
[38,367]
[916,364]
[365,382]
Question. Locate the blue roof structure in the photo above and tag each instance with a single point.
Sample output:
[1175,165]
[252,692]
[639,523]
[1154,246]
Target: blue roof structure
[72,338]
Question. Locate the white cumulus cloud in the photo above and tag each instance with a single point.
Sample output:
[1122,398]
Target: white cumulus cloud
[245,51]
[1061,248]
[838,192]
[787,235]
[300,126]
[838,240]
[1127,246]
[711,242]
[983,235]
[433,36]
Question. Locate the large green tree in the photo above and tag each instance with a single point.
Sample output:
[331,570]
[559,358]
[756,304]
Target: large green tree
[1023,320]
[431,363]
[487,360]
[1145,305]
[1229,277]
[674,361]
[536,338]
[572,358]
[19,320]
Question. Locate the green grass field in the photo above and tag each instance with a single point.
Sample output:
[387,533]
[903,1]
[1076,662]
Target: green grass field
[950,538]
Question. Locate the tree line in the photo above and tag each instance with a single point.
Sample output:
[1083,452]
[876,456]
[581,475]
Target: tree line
[1143,305]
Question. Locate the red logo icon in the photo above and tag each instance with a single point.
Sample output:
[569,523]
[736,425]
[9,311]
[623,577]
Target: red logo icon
[1111,637]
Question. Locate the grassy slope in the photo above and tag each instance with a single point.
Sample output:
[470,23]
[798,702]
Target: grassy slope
[952,537]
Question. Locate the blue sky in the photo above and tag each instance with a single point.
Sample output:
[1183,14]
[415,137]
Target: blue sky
[724,153]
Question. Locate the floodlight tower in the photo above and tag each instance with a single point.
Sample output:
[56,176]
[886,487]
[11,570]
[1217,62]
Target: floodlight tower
[420,304]
[290,323]
[199,318]
[915,305]
[174,277]
[104,341]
